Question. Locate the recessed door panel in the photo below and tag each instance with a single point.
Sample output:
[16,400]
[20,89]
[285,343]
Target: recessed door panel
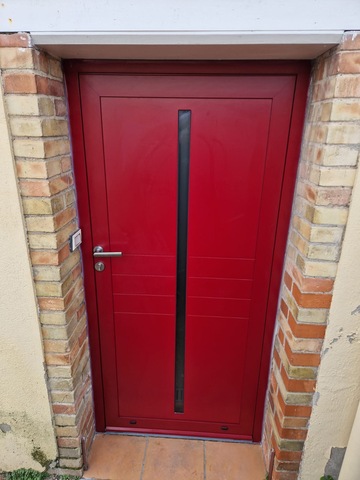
[214,368]
[144,350]
[140,152]
[228,156]
[228,148]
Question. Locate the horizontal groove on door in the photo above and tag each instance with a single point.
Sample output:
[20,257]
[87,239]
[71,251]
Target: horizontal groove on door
[215,267]
[144,303]
[229,307]
[143,284]
[144,265]
[220,287]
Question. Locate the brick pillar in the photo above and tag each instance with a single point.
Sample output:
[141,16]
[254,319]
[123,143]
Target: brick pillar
[325,178]
[34,95]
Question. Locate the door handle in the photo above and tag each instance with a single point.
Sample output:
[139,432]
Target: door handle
[98,251]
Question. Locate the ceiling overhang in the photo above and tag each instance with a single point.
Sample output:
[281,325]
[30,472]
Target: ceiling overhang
[200,45]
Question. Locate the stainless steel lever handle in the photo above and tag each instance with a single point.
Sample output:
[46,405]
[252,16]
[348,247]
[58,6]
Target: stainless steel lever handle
[98,251]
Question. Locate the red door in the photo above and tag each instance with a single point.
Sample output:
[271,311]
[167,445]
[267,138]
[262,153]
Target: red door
[184,177]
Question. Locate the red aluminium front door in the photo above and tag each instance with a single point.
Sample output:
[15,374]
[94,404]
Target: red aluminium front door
[184,174]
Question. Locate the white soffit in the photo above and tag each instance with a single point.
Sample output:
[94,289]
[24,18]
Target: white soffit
[191,45]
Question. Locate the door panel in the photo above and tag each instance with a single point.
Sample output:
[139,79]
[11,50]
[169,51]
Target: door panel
[228,162]
[214,368]
[142,392]
[140,151]
[228,146]
[238,140]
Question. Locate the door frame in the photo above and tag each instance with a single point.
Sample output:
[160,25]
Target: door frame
[73,70]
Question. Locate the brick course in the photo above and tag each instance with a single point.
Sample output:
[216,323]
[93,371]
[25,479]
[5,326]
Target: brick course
[326,175]
[34,95]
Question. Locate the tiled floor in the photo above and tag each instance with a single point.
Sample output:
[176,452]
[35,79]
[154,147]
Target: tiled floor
[125,457]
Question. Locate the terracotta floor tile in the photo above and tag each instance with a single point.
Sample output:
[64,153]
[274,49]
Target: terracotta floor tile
[174,459]
[116,457]
[233,461]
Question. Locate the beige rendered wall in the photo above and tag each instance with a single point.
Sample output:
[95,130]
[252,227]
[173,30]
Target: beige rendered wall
[26,430]
[338,388]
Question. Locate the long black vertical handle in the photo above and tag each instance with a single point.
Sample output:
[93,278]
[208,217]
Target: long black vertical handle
[184,122]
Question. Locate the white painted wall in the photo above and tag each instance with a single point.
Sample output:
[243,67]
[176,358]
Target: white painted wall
[179,16]
[187,29]
[25,416]
[338,387]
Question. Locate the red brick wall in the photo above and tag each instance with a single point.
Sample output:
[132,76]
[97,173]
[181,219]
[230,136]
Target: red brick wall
[326,174]
[35,99]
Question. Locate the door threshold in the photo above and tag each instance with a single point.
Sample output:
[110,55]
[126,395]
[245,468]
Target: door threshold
[178,433]
[178,437]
